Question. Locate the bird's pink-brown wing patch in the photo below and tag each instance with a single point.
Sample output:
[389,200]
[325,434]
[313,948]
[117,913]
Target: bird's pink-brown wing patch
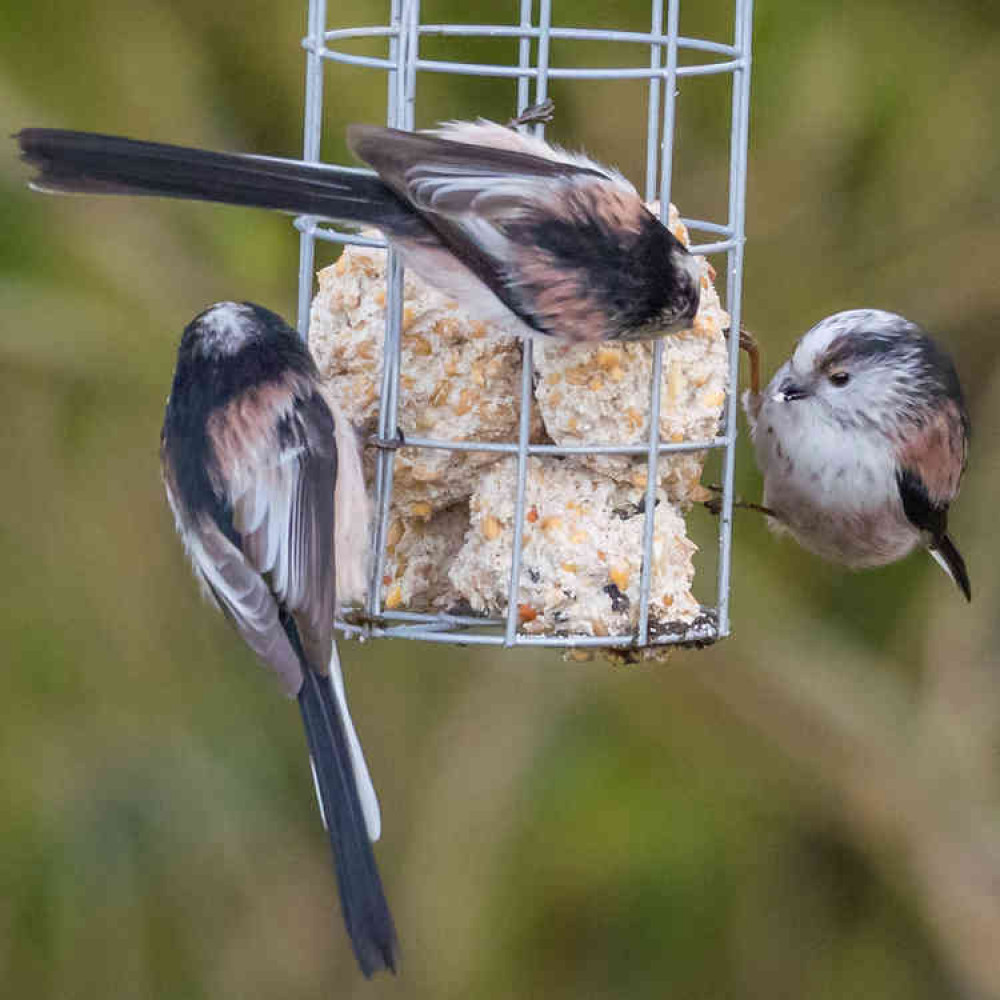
[277,452]
[936,452]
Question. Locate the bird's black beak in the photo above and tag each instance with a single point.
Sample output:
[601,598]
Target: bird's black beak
[789,391]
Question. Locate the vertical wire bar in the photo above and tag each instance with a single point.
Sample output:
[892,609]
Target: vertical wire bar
[524,58]
[312,134]
[544,41]
[653,108]
[392,75]
[666,176]
[738,152]
[527,361]
[402,98]
[374,596]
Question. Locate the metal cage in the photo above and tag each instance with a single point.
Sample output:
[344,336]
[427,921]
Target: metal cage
[534,30]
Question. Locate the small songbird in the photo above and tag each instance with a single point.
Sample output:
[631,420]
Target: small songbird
[862,438]
[264,479]
[516,230]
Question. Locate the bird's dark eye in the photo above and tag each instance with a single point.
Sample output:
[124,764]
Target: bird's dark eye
[840,379]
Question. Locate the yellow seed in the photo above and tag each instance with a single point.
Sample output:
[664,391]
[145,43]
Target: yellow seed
[607,358]
[395,533]
[599,628]
[466,398]
[425,474]
[616,374]
[552,378]
[634,418]
[555,398]
[380,298]
[420,509]
[675,382]
[602,555]
[570,567]
[667,601]
[578,537]
[713,399]
[406,381]
[595,384]
[409,318]
[619,577]
[394,598]
[578,376]
[550,523]
[491,527]
[440,394]
[419,345]
[572,425]
[676,437]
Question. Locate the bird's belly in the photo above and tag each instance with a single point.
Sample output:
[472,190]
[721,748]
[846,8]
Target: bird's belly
[835,493]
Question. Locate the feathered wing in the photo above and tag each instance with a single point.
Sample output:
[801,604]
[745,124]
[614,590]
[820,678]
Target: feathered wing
[284,513]
[247,601]
[931,465]
[565,245]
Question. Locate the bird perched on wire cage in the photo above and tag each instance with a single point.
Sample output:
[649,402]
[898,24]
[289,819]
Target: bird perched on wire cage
[516,230]
[862,437]
[264,481]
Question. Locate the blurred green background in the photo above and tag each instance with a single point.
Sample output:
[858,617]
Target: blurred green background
[810,809]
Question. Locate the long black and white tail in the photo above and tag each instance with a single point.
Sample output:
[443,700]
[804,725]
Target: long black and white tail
[366,912]
[86,162]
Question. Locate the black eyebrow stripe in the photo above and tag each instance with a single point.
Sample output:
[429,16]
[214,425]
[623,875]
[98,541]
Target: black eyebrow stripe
[851,346]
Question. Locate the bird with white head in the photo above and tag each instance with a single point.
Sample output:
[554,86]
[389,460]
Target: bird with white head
[862,437]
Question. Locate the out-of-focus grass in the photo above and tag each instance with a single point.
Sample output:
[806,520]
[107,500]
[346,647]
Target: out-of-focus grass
[809,809]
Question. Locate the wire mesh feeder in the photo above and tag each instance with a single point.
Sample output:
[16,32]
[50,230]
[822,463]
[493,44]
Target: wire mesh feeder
[512,624]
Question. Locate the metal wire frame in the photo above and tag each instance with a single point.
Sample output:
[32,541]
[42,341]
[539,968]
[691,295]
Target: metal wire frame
[401,66]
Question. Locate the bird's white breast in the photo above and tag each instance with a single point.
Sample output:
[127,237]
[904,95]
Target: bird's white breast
[834,488]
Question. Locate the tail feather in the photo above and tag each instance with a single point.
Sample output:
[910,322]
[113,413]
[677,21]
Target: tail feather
[947,556]
[85,162]
[366,912]
[336,704]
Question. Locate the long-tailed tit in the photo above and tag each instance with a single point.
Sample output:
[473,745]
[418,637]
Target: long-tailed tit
[265,482]
[516,230]
[862,438]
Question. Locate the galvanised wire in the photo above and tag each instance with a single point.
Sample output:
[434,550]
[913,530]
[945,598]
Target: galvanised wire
[401,66]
